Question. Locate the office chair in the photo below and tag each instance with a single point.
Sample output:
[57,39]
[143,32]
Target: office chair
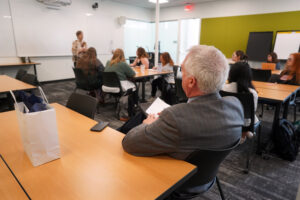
[180,94]
[30,79]
[261,75]
[112,85]
[247,102]
[20,74]
[83,104]
[207,162]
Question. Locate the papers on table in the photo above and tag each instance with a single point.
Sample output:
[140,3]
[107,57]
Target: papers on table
[157,106]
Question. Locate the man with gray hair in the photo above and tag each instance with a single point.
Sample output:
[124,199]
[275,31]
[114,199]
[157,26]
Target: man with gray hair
[207,121]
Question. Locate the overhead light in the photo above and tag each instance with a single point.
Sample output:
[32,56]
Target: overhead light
[7,16]
[88,14]
[160,1]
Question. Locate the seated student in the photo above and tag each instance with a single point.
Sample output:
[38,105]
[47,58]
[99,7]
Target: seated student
[207,121]
[89,63]
[291,72]
[92,67]
[117,64]
[142,58]
[239,56]
[240,81]
[272,58]
[167,65]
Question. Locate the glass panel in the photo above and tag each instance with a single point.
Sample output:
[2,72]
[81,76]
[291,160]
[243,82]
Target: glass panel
[168,36]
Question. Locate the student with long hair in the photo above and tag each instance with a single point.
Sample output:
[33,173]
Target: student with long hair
[142,58]
[240,81]
[89,63]
[118,65]
[272,58]
[291,72]
[167,65]
[239,56]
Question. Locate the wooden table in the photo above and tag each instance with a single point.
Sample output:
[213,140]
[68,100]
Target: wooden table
[277,72]
[92,165]
[146,74]
[7,83]
[9,187]
[34,64]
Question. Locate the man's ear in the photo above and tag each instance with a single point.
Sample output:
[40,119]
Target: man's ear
[191,82]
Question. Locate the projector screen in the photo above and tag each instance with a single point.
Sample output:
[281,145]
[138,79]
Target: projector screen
[259,45]
[286,43]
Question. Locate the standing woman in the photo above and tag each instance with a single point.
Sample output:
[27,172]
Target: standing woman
[167,65]
[272,58]
[291,72]
[239,56]
[79,47]
[142,58]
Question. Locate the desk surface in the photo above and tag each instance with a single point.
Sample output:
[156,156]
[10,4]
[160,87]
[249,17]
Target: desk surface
[276,72]
[92,165]
[270,94]
[18,64]
[9,187]
[275,86]
[149,73]
[7,83]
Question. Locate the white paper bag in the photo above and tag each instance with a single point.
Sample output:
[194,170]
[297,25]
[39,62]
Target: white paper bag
[38,132]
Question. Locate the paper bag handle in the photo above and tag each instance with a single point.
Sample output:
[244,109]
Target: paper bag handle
[16,103]
[43,95]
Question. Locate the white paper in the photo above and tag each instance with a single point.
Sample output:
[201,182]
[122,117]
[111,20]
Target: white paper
[157,106]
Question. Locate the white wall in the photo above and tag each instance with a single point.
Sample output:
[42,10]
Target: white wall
[60,67]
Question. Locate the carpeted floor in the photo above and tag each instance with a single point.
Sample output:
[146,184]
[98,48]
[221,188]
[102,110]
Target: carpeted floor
[273,179]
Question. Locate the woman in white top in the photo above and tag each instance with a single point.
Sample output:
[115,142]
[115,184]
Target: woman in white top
[167,65]
[142,58]
[240,81]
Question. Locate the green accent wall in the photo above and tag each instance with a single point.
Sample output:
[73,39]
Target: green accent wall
[231,33]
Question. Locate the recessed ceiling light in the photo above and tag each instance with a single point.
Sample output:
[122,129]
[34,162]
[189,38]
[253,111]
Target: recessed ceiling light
[160,1]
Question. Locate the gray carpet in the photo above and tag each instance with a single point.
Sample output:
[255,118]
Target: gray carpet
[273,179]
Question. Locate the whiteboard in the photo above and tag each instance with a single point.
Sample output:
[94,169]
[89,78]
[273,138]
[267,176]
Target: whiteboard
[287,43]
[7,42]
[40,31]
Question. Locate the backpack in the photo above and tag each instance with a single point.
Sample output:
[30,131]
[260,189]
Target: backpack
[286,140]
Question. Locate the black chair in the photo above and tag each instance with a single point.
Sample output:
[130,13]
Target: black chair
[207,162]
[83,104]
[180,94]
[80,80]
[261,75]
[175,69]
[20,74]
[247,102]
[30,79]
[112,81]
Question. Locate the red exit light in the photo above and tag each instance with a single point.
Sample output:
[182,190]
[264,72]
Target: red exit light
[188,7]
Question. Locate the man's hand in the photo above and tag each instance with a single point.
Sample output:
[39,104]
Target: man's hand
[150,119]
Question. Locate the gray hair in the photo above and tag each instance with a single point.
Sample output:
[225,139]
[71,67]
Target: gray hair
[209,66]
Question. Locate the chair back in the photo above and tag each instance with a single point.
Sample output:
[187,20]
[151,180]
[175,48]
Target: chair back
[81,79]
[111,79]
[20,74]
[268,66]
[180,94]
[207,162]
[261,75]
[247,102]
[83,104]
[30,79]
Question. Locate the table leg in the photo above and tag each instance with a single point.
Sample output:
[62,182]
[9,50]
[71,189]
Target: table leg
[35,72]
[285,109]
[143,100]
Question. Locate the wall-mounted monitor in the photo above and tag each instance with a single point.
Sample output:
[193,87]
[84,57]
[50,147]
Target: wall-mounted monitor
[286,42]
[259,45]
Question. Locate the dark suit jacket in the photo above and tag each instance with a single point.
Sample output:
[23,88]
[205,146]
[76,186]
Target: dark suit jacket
[207,122]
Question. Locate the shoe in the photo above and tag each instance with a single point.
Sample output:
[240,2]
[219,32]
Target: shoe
[249,135]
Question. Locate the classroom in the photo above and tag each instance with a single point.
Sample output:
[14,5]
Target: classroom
[150,99]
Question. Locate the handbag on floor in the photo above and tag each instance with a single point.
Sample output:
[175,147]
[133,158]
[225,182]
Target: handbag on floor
[286,140]
[38,130]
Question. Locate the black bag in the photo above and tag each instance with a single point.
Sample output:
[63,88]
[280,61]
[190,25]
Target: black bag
[286,140]
[132,123]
